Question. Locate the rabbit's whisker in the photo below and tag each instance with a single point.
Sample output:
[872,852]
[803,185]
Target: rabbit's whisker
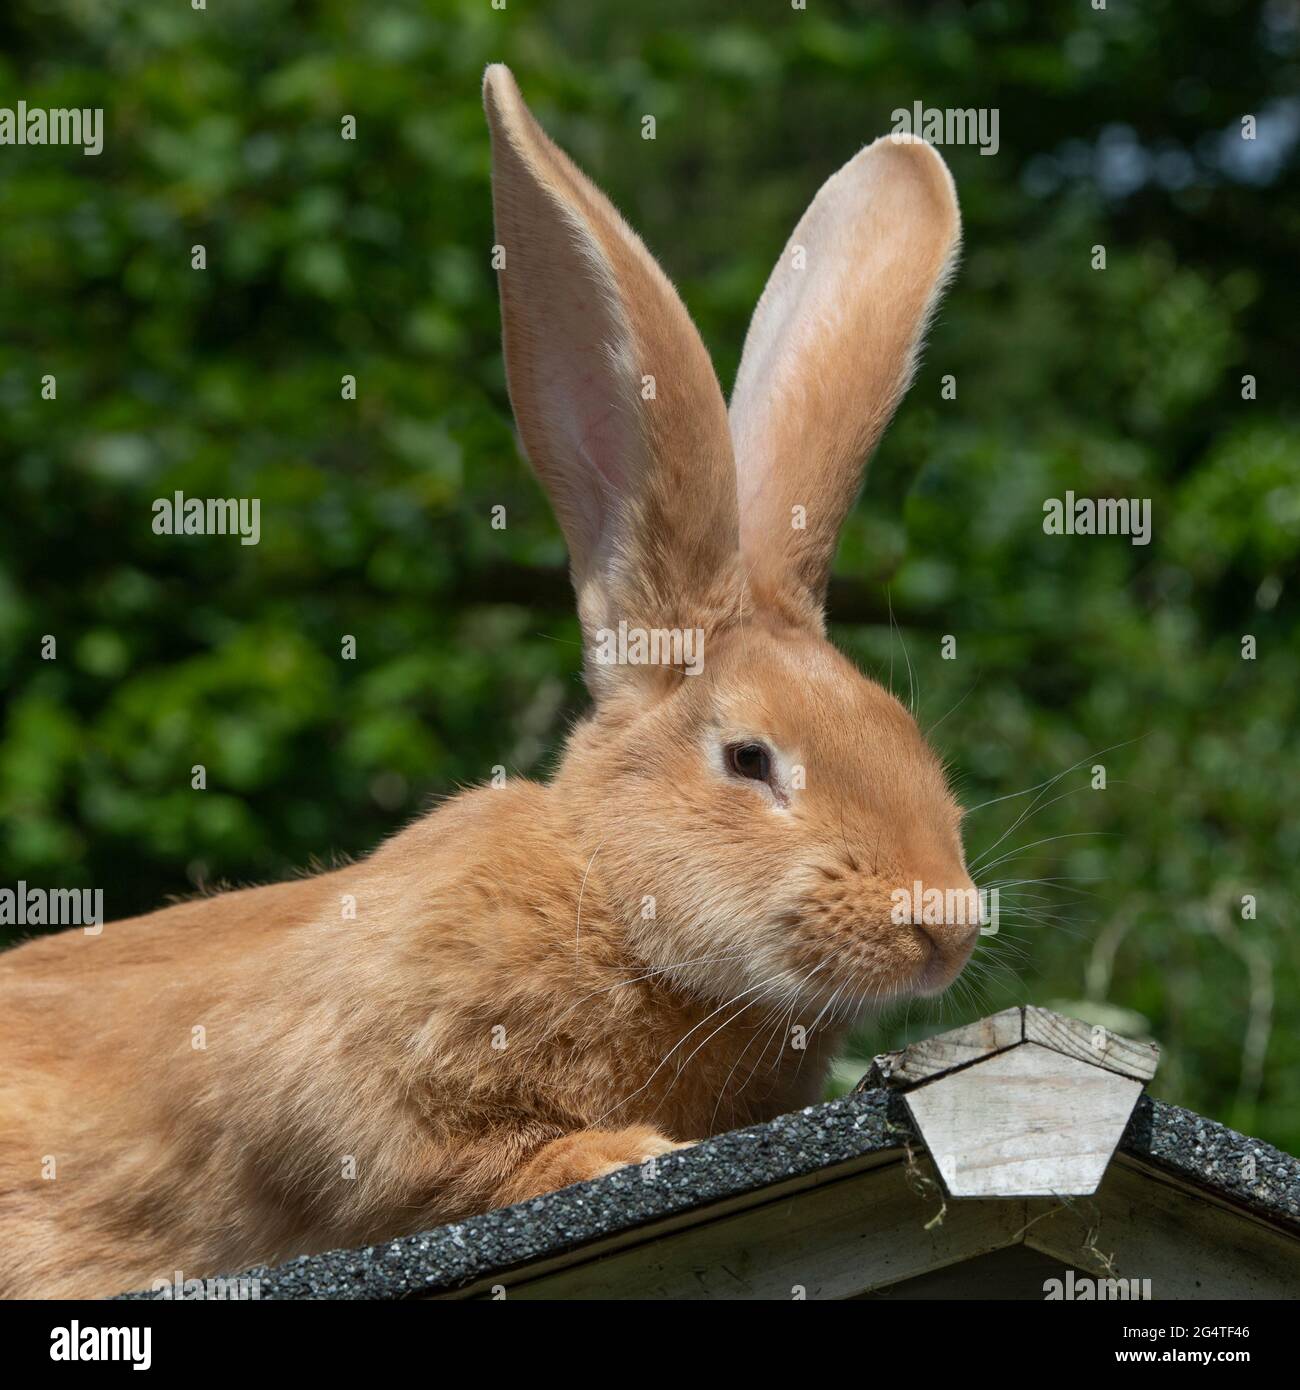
[1029,813]
[738,953]
[1046,840]
[954,708]
[1051,781]
[685,1037]
[785,1008]
[577,929]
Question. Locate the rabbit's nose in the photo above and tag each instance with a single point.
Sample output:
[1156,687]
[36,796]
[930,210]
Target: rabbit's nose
[956,915]
[952,938]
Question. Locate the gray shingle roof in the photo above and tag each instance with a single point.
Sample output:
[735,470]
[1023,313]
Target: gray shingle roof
[1198,1151]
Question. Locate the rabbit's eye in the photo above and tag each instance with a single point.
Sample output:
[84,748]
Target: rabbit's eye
[750,760]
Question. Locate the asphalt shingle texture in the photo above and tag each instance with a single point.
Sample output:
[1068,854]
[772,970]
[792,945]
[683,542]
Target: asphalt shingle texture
[821,1137]
[1247,1171]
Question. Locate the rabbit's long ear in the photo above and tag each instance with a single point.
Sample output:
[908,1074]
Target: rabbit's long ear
[616,399]
[829,353]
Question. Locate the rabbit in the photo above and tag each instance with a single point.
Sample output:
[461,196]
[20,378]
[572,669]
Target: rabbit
[534,985]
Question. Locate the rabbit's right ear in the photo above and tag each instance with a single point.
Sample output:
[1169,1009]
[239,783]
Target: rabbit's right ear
[829,353]
[618,407]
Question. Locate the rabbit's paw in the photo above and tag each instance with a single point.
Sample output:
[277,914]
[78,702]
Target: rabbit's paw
[588,1153]
[653,1147]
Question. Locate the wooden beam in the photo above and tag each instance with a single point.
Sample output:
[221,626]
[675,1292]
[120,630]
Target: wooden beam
[835,1241]
[657,1230]
[880,1226]
[1143,1226]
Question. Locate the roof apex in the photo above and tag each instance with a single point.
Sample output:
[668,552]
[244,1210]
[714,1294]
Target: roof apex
[930,1058]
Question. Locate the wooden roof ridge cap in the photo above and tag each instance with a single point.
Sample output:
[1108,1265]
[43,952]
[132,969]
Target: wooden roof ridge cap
[1023,1103]
[927,1059]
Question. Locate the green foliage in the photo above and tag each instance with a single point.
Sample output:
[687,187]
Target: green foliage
[327,257]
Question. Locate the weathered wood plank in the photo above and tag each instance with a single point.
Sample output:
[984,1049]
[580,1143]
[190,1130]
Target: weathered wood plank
[1016,1272]
[931,1057]
[1028,1122]
[682,1221]
[873,1229]
[864,1232]
[1142,1226]
[1091,1043]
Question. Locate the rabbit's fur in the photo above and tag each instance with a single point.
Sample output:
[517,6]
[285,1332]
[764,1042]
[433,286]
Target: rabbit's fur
[542,983]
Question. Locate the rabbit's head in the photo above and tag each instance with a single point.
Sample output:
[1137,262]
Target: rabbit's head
[758,812]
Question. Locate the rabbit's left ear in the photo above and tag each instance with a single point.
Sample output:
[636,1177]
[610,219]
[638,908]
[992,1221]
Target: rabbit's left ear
[829,353]
[616,399]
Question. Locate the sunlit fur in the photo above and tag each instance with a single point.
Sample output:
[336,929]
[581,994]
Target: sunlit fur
[327,1037]
[540,982]
[798,895]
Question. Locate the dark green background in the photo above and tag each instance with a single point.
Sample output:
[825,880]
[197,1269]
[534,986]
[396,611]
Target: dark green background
[1118,127]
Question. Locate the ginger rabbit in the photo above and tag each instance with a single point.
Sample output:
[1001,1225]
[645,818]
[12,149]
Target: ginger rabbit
[543,982]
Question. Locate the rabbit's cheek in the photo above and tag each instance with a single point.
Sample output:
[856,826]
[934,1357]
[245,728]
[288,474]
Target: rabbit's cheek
[843,941]
[856,935]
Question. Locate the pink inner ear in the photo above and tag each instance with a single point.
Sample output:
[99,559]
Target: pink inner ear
[598,430]
[589,464]
[586,314]
[831,348]
[583,379]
